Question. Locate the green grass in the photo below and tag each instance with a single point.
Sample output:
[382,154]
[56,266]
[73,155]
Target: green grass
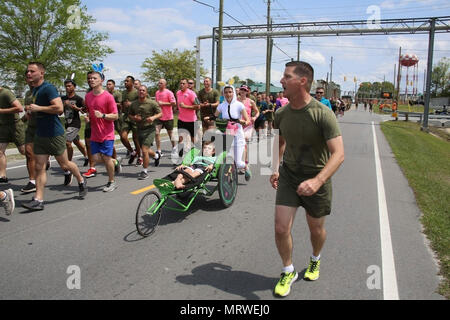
[424,160]
[404,107]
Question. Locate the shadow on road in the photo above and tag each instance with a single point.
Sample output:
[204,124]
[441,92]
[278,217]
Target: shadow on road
[222,277]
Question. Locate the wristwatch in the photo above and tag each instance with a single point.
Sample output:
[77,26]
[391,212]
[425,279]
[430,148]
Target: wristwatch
[104,115]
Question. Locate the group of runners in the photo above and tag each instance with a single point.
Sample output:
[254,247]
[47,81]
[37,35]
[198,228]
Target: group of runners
[310,142]
[40,133]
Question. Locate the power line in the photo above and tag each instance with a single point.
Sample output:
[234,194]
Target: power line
[217,11]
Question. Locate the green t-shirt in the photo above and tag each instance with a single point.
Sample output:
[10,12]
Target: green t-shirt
[212,97]
[131,96]
[28,99]
[306,132]
[145,109]
[117,96]
[6,99]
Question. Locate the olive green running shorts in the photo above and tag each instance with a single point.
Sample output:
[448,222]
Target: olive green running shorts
[54,146]
[317,205]
[29,134]
[13,133]
[146,136]
[167,124]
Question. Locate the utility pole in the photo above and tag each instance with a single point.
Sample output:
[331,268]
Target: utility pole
[269,49]
[298,46]
[395,74]
[398,75]
[429,71]
[220,46]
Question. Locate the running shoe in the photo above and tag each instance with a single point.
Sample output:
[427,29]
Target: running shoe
[283,287]
[34,205]
[92,172]
[110,186]
[139,161]
[9,203]
[86,162]
[30,187]
[241,171]
[128,154]
[68,178]
[158,159]
[160,153]
[132,157]
[143,175]
[117,165]
[312,273]
[82,187]
[247,174]
[3,180]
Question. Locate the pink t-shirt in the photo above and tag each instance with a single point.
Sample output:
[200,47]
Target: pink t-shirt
[188,98]
[284,101]
[165,96]
[101,129]
[248,109]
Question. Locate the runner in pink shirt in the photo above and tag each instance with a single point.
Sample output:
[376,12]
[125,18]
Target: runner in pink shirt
[187,112]
[102,109]
[166,100]
[250,106]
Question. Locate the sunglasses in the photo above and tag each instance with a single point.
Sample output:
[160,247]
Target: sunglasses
[191,83]
[319,92]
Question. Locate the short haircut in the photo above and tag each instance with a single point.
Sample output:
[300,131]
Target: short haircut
[70,81]
[303,69]
[111,80]
[130,77]
[102,76]
[38,64]
[321,88]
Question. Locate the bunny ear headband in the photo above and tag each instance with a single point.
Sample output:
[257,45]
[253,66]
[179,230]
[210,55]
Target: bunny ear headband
[99,68]
[67,79]
[230,82]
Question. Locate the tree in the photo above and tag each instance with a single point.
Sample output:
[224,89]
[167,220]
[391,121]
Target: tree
[172,65]
[440,78]
[54,32]
[375,89]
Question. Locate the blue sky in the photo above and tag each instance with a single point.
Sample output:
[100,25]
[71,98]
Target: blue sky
[136,28]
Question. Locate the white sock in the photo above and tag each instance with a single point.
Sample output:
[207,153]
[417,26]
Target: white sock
[66,172]
[314,258]
[144,170]
[288,268]
[33,181]
[156,156]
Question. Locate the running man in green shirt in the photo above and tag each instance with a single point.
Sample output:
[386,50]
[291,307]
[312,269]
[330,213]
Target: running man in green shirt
[312,149]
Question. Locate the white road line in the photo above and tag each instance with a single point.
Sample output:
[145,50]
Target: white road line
[390,289]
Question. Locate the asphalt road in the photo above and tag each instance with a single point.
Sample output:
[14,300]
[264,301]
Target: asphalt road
[213,253]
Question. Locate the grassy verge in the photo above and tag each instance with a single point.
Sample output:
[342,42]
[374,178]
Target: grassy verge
[404,107]
[424,161]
